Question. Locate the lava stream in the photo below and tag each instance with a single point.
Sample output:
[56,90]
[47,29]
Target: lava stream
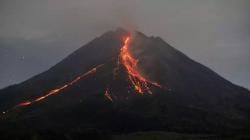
[139,82]
[57,90]
[107,95]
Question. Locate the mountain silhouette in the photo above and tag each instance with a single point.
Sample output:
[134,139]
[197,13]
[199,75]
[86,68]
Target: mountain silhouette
[122,82]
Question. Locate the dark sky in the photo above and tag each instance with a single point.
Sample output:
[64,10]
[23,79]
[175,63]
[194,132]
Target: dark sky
[36,34]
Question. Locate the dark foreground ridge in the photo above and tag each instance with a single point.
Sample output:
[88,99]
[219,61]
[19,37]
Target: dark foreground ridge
[113,86]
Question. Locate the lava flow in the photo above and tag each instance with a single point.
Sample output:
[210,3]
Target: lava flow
[139,82]
[57,90]
[107,94]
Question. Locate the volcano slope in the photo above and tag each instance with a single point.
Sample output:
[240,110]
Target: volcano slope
[120,83]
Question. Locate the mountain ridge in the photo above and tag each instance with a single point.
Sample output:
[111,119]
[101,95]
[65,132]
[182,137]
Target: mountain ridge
[194,98]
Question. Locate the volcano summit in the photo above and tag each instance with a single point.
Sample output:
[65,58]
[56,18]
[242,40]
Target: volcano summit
[121,83]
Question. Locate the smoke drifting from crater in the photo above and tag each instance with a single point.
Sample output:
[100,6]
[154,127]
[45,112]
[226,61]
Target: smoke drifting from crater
[37,34]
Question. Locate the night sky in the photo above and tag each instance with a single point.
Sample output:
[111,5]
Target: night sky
[36,34]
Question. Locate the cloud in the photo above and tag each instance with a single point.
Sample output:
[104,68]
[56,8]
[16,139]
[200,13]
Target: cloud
[216,33]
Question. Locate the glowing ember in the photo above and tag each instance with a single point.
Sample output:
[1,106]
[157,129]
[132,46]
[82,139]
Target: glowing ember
[139,82]
[107,94]
[57,90]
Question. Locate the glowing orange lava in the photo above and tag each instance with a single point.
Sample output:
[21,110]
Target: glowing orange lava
[107,95]
[139,82]
[57,90]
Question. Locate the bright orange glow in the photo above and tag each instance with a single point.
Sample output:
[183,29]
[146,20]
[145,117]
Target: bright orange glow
[107,95]
[25,103]
[57,90]
[139,82]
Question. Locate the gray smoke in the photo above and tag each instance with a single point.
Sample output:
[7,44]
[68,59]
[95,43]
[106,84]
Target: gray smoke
[37,34]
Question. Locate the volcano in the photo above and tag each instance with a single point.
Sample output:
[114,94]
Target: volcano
[122,82]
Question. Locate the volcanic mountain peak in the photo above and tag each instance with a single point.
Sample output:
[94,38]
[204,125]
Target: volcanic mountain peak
[125,60]
[127,82]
